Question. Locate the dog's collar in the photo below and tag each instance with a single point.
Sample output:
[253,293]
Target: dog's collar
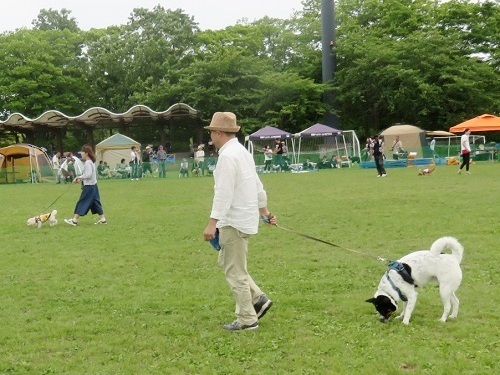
[393,300]
[393,286]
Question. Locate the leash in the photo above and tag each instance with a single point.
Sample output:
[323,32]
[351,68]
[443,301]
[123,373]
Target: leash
[380,259]
[60,195]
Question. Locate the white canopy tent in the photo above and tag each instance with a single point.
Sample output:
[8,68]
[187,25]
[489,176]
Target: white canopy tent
[321,140]
[267,137]
[115,148]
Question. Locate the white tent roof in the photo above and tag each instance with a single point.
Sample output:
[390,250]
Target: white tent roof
[118,141]
[115,148]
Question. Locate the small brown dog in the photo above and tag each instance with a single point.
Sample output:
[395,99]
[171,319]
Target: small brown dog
[427,171]
[39,220]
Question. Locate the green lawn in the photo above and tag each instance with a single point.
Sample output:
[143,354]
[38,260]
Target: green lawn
[144,295]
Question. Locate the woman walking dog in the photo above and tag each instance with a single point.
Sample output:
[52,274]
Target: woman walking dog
[89,198]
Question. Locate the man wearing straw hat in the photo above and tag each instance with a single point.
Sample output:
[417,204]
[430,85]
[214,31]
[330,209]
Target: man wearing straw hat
[239,198]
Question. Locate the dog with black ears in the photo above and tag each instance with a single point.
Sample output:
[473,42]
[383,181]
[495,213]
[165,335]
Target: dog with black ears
[42,218]
[416,270]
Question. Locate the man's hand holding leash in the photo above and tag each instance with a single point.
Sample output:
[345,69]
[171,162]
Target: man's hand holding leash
[211,233]
[269,218]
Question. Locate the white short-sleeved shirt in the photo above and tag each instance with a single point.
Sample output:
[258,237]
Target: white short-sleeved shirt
[464,143]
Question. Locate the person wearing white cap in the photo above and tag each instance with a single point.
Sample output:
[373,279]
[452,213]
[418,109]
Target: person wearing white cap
[239,199]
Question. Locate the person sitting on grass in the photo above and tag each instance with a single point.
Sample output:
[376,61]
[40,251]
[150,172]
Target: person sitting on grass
[184,168]
[308,165]
[103,170]
[123,169]
[324,163]
[335,161]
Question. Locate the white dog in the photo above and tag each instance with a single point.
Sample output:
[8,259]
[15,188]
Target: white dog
[39,220]
[416,270]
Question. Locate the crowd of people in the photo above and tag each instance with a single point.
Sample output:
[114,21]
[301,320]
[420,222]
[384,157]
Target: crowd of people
[140,163]
[66,166]
[374,150]
[276,158]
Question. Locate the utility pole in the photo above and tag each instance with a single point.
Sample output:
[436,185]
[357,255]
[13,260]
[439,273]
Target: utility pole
[328,57]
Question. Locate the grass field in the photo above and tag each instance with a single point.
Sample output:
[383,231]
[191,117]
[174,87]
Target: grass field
[144,295]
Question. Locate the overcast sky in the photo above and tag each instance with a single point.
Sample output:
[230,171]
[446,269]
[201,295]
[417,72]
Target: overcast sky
[209,14]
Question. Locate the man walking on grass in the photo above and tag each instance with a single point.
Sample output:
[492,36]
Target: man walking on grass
[239,198]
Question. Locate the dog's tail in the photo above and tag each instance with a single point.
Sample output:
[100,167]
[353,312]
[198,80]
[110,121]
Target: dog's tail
[448,243]
[54,212]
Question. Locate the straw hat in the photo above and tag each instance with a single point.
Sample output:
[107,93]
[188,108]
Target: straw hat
[224,122]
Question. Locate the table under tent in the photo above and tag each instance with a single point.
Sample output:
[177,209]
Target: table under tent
[267,136]
[320,141]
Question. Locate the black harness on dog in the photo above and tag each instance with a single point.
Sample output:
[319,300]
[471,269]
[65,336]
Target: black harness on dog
[404,271]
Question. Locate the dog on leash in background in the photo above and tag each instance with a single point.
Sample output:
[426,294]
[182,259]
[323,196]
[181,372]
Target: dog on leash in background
[39,220]
[416,270]
[427,171]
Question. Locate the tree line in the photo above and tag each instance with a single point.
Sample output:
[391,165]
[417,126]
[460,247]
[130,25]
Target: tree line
[422,62]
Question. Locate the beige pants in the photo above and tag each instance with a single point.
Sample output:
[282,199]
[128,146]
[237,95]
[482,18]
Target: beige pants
[233,261]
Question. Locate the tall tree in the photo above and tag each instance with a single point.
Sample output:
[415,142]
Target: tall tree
[398,63]
[242,69]
[42,70]
[110,67]
[50,19]
[126,62]
[163,41]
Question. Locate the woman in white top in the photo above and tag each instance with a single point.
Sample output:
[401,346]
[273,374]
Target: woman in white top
[268,159]
[199,158]
[56,164]
[465,151]
[89,198]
